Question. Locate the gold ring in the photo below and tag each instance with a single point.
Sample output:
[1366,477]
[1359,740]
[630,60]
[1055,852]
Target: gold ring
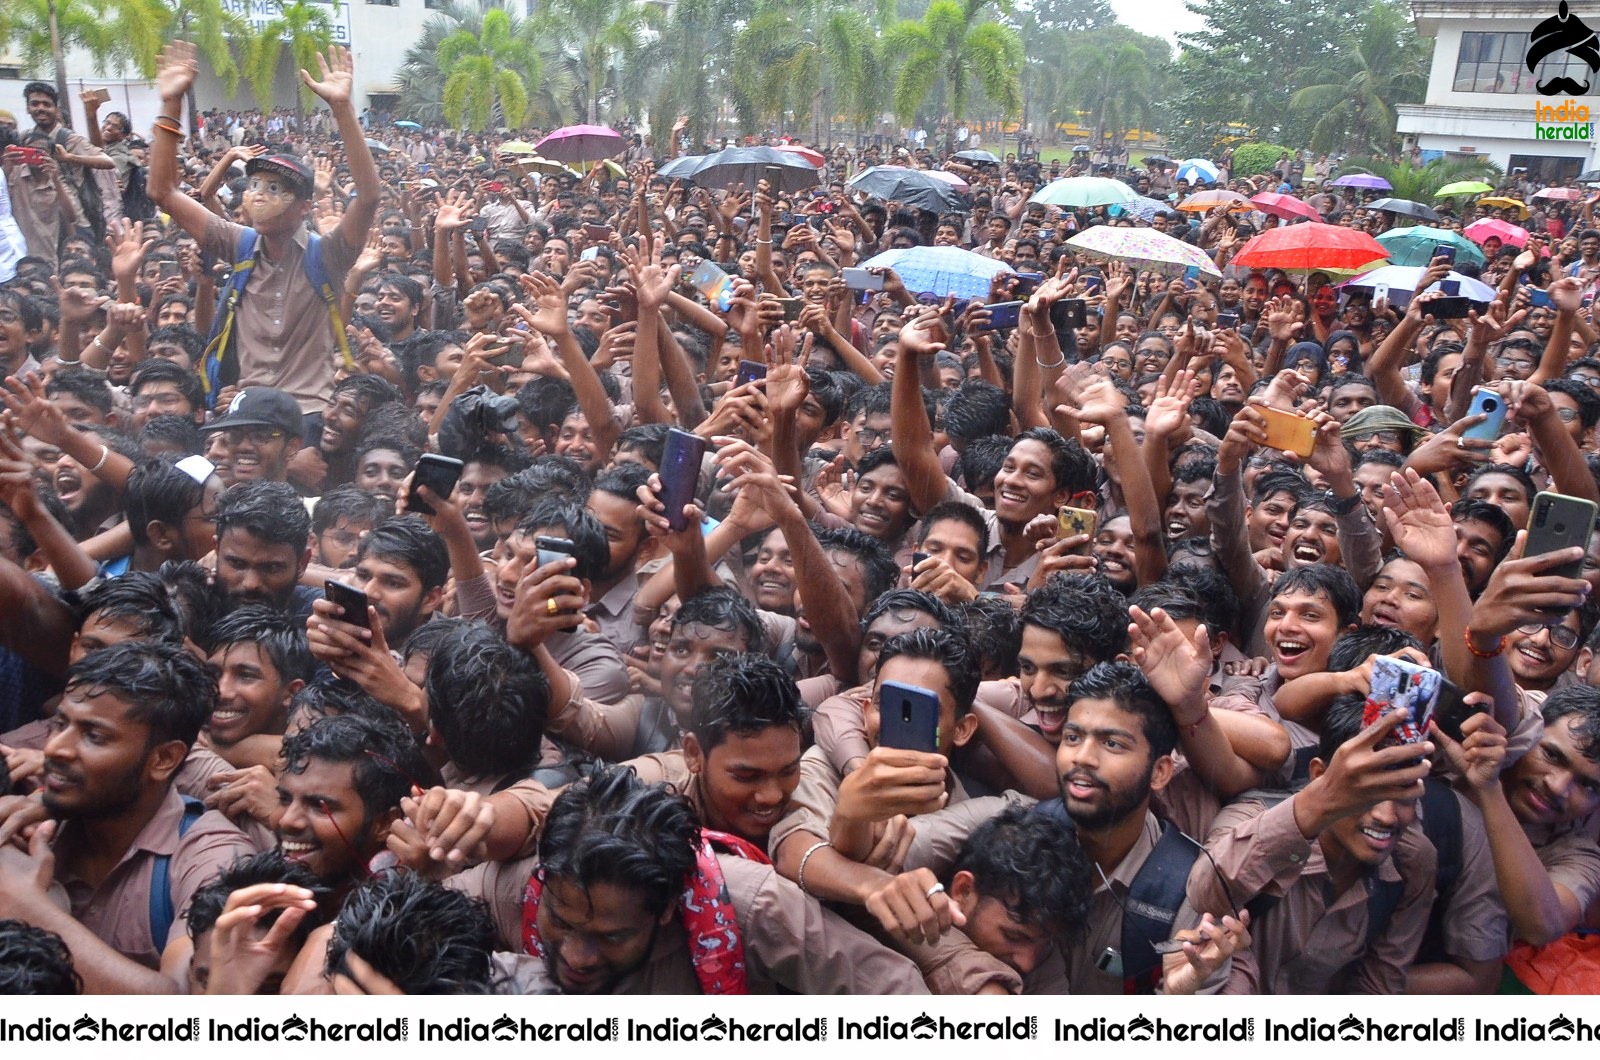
[550,605]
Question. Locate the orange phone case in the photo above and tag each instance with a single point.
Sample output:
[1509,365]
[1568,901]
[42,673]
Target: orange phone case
[1290,432]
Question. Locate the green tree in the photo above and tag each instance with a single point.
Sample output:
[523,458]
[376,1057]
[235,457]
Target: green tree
[1113,76]
[598,43]
[1384,62]
[420,80]
[800,57]
[487,69]
[113,32]
[305,28]
[955,44]
[694,60]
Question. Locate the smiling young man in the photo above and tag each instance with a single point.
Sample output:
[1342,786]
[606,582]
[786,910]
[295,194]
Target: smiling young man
[1067,627]
[258,434]
[260,659]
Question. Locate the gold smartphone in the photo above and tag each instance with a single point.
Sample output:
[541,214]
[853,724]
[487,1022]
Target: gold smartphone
[1290,432]
[1075,521]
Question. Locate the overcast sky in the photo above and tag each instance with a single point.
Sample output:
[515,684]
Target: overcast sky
[1159,18]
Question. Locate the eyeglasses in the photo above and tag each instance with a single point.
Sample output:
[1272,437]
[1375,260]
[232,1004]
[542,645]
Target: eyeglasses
[160,401]
[1567,415]
[268,186]
[1561,636]
[253,435]
[1381,437]
[871,438]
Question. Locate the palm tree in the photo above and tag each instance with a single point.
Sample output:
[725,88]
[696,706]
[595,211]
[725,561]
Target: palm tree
[487,69]
[420,79]
[597,42]
[1419,183]
[1381,65]
[306,28]
[795,58]
[217,31]
[953,44]
[113,32]
[1112,82]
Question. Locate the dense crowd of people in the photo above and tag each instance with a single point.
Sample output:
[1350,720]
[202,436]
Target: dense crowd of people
[426,574]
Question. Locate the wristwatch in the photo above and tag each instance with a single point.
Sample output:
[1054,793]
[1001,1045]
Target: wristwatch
[1345,506]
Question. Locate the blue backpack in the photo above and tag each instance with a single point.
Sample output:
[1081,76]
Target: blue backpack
[220,364]
[162,913]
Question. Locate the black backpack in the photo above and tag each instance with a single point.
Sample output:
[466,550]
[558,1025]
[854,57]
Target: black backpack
[88,189]
[136,202]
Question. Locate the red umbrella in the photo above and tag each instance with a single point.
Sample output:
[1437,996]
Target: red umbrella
[1564,194]
[580,143]
[814,157]
[1285,206]
[1311,246]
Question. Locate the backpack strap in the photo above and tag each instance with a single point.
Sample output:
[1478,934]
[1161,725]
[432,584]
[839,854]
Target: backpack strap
[1383,898]
[1159,890]
[317,273]
[162,913]
[1441,823]
[244,262]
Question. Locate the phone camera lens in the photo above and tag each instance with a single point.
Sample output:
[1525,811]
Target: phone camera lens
[1489,405]
[1561,528]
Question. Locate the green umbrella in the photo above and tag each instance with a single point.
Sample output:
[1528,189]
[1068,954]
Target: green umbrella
[1463,187]
[1414,245]
[1083,192]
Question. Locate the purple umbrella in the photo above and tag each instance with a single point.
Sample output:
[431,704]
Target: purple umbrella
[580,143]
[1363,180]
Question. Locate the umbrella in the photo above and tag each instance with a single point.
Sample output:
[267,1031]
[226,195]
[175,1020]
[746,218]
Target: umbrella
[1463,187]
[1195,170]
[748,165]
[1363,180]
[1142,207]
[1084,192]
[1588,175]
[1083,148]
[1415,245]
[978,156]
[517,147]
[913,187]
[813,157]
[1285,206]
[1504,203]
[1481,231]
[1563,194]
[1406,208]
[1403,280]
[526,164]
[579,143]
[949,178]
[378,146]
[1143,248]
[1208,200]
[678,167]
[1308,247]
[1158,160]
[941,271]
[408,125]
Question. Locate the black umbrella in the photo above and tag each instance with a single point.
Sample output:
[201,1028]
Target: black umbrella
[1406,208]
[747,165]
[978,156]
[912,187]
[1589,176]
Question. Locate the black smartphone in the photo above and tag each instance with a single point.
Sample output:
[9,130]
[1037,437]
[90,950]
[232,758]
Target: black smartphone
[749,372]
[478,224]
[1448,308]
[1069,314]
[908,717]
[1559,522]
[553,549]
[352,601]
[440,474]
[1227,320]
[917,558]
[1445,251]
[1453,710]
[680,474]
[1003,316]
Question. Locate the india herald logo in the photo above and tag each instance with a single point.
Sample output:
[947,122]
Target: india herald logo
[1565,33]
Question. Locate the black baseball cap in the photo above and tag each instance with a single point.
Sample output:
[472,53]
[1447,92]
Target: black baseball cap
[261,406]
[296,172]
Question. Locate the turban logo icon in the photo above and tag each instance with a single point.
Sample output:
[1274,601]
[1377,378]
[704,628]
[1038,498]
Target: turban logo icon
[1566,33]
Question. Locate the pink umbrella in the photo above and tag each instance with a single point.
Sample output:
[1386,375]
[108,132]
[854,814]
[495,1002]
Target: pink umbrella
[580,143]
[813,157]
[1480,231]
[1287,207]
[1563,194]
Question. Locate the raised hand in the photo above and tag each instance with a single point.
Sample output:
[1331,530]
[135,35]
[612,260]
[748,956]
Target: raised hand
[338,75]
[176,69]
[551,315]
[1418,521]
[1177,665]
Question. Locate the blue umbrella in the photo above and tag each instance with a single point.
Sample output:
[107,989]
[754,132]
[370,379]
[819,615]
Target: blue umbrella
[1196,170]
[1143,207]
[407,125]
[941,270]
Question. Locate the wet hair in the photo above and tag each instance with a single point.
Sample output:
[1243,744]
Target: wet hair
[488,700]
[269,866]
[334,700]
[1216,603]
[192,342]
[1468,510]
[383,757]
[977,409]
[551,477]
[623,481]
[579,525]
[157,370]
[982,459]
[171,432]
[647,439]
[34,961]
[408,540]
[879,570]
[827,392]
[1351,649]
[372,391]
[1588,401]
[1341,723]
[1581,702]
[1326,580]
[85,384]
[995,631]
[1210,414]
[268,511]
[158,492]
[948,647]
[745,695]
[281,638]
[139,597]
[1072,467]
[1126,685]
[165,686]
[613,828]
[725,609]
[960,512]
[1034,867]
[1085,611]
[909,599]
[346,502]
[424,937]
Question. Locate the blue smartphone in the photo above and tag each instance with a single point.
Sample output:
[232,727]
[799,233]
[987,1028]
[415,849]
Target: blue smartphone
[1191,276]
[1538,299]
[1490,404]
[908,717]
[1003,316]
